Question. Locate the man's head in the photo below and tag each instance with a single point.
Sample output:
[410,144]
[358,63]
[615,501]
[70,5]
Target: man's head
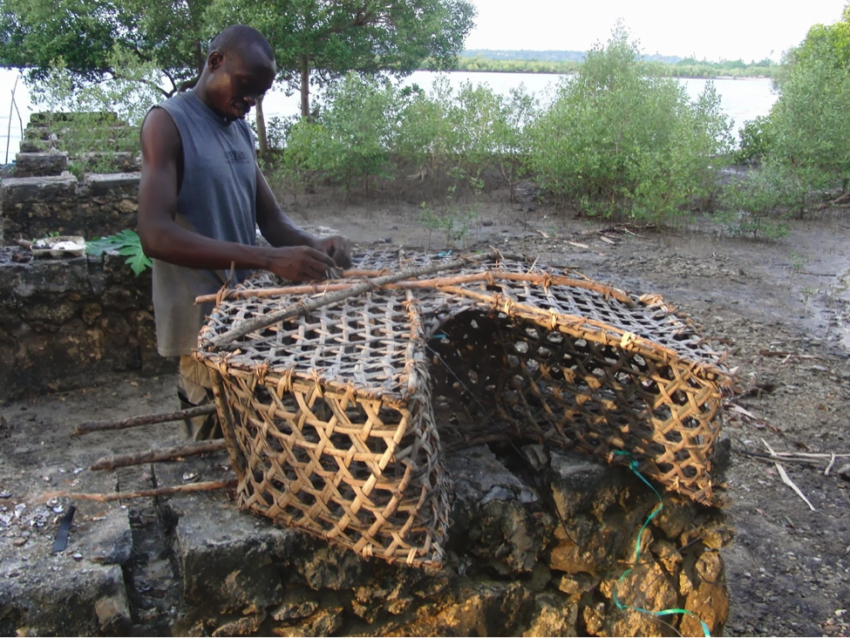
[240,67]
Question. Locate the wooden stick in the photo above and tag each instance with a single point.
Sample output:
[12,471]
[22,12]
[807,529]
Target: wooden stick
[787,479]
[776,458]
[159,491]
[812,455]
[558,280]
[308,305]
[829,467]
[778,353]
[153,456]
[148,419]
[9,128]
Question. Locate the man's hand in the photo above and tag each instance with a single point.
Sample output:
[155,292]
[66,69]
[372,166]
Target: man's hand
[298,263]
[337,247]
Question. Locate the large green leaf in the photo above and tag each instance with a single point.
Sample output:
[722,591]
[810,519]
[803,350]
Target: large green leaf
[125,243]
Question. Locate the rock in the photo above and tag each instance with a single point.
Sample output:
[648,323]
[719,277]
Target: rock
[256,587]
[577,584]
[326,621]
[90,313]
[709,567]
[110,541]
[400,606]
[230,560]
[667,554]
[707,598]
[646,587]
[513,537]
[242,627]
[68,323]
[591,549]
[844,472]
[330,567]
[291,632]
[476,471]
[113,613]
[482,608]
[579,482]
[489,517]
[100,162]
[33,207]
[722,455]
[541,576]
[127,207]
[594,619]
[296,605]
[89,600]
[674,518]
[41,164]
[553,616]
[537,455]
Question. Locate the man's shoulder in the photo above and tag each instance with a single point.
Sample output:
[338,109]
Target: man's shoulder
[176,101]
[160,136]
[157,121]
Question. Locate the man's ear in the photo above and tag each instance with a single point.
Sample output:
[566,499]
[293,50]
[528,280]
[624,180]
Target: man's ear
[215,60]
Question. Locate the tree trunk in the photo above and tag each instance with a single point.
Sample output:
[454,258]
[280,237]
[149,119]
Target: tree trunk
[261,129]
[305,87]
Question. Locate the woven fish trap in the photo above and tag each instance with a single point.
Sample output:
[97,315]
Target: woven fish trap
[341,397]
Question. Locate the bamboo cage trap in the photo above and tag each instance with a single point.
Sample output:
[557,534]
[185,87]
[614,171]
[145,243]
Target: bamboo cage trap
[338,399]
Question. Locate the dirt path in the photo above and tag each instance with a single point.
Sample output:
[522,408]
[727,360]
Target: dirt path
[789,568]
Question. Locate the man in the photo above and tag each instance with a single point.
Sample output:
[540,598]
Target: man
[202,195]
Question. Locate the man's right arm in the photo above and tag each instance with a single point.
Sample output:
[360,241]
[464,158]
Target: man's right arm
[162,238]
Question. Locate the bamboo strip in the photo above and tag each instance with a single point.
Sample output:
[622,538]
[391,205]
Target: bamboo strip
[439,282]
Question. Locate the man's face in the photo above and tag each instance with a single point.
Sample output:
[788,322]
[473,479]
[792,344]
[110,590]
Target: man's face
[238,81]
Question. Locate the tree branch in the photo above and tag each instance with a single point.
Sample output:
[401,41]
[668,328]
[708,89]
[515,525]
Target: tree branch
[153,85]
[189,84]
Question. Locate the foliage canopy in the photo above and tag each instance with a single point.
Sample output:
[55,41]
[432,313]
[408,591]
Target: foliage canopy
[318,41]
[618,141]
[101,39]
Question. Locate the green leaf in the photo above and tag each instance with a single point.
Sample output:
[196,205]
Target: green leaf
[125,243]
[99,245]
[138,262]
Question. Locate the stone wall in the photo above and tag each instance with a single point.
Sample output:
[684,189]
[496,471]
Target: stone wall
[43,197]
[33,207]
[199,567]
[66,322]
[514,566]
[41,164]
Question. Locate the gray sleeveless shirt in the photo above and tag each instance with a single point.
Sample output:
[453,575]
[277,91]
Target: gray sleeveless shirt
[217,199]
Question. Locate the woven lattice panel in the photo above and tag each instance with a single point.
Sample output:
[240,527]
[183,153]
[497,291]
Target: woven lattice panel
[334,407]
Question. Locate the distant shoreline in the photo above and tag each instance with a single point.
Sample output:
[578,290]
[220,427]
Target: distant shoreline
[521,71]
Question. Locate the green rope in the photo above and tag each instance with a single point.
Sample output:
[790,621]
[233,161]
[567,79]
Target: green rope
[633,466]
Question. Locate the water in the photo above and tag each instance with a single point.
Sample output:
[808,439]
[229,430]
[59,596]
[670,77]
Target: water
[742,99]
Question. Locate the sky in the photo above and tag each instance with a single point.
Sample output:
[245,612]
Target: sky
[721,29]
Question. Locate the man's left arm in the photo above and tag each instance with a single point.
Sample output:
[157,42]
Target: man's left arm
[279,230]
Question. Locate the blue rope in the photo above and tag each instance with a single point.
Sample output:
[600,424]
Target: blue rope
[633,466]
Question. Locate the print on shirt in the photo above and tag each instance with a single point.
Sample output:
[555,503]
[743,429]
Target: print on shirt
[237,157]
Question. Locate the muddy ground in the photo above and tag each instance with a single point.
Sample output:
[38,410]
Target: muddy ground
[778,308]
